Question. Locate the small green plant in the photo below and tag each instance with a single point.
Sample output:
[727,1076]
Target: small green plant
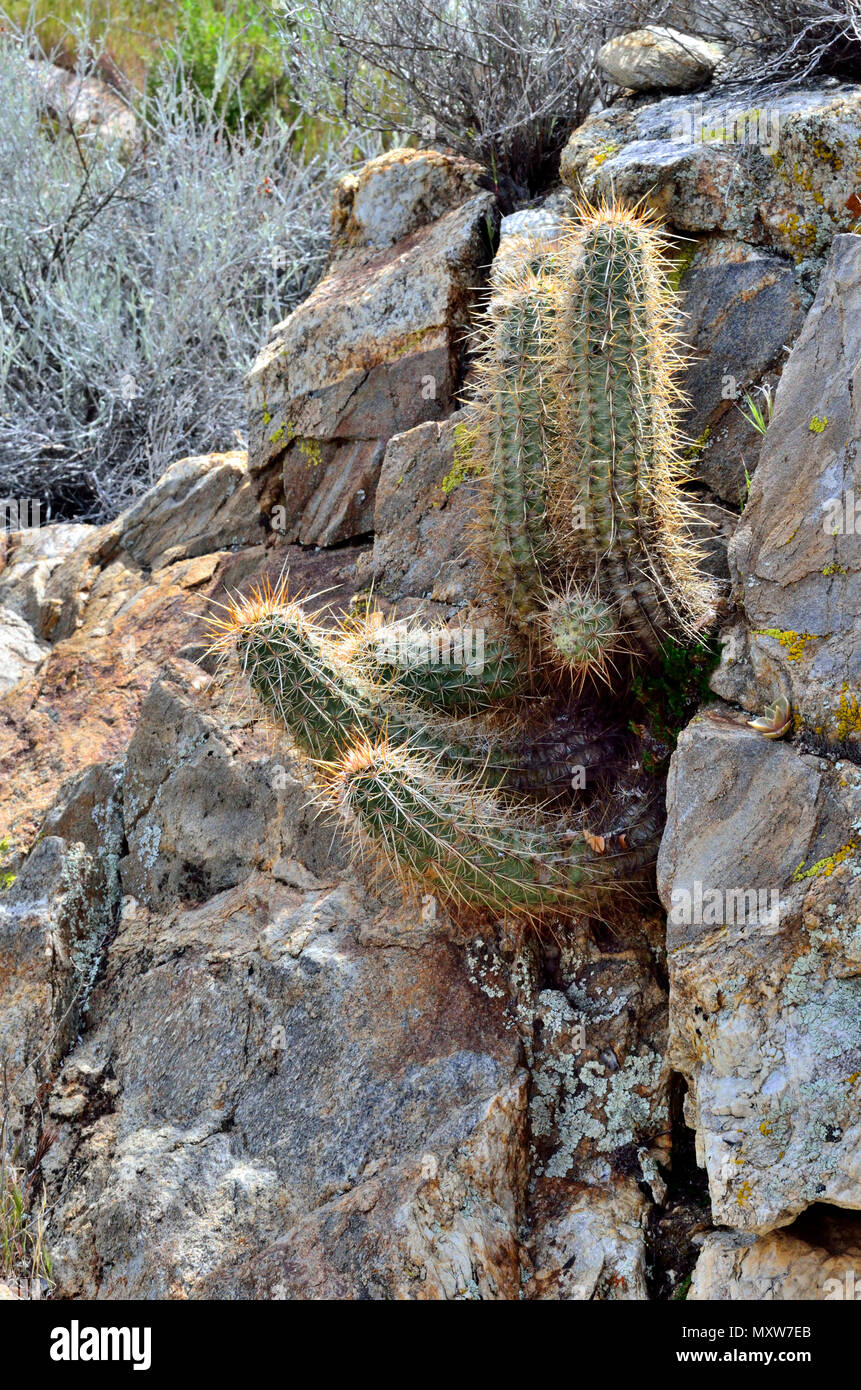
[230,56]
[24,1258]
[757,414]
[670,691]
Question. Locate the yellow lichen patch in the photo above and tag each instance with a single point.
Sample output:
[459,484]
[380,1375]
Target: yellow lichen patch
[465,465]
[744,1193]
[765,1128]
[833,569]
[604,153]
[793,643]
[310,451]
[817,425]
[848,714]
[824,868]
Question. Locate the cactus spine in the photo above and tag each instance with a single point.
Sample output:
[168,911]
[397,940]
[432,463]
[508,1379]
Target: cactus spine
[462,841]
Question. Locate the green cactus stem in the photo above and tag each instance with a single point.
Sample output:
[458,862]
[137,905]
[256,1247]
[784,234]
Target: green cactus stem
[513,414]
[617,501]
[448,670]
[311,688]
[464,843]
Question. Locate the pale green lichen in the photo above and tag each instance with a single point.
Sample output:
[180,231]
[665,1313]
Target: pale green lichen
[464,465]
[590,1102]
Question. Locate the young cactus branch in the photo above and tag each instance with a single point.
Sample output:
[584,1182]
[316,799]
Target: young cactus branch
[468,845]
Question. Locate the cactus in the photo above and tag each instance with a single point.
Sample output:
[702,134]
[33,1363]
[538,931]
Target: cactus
[617,502]
[583,632]
[587,544]
[512,432]
[445,670]
[310,685]
[465,843]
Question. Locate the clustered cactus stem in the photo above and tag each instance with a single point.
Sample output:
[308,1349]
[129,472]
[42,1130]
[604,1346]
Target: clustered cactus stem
[458,839]
[313,686]
[587,543]
[617,502]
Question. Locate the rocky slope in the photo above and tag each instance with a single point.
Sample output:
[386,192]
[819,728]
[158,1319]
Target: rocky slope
[264,1075]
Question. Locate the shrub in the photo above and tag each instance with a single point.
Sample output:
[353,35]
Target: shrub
[136,285]
[229,54]
[503,81]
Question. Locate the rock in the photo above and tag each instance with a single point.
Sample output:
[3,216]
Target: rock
[758,871]
[359,1126]
[199,816]
[742,307]
[197,506]
[85,104]
[659,58]
[781,1266]
[21,653]
[31,558]
[373,351]
[589,1245]
[795,558]
[599,1097]
[393,195]
[775,169]
[424,512]
[53,922]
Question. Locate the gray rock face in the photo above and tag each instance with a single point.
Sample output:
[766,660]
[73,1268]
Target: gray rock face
[742,308]
[758,872]
[374,350]
[283,1107]
[737,162]
[758,867]
[54,920]
[199,505]
[659,58]
[425,506]
[796,555]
